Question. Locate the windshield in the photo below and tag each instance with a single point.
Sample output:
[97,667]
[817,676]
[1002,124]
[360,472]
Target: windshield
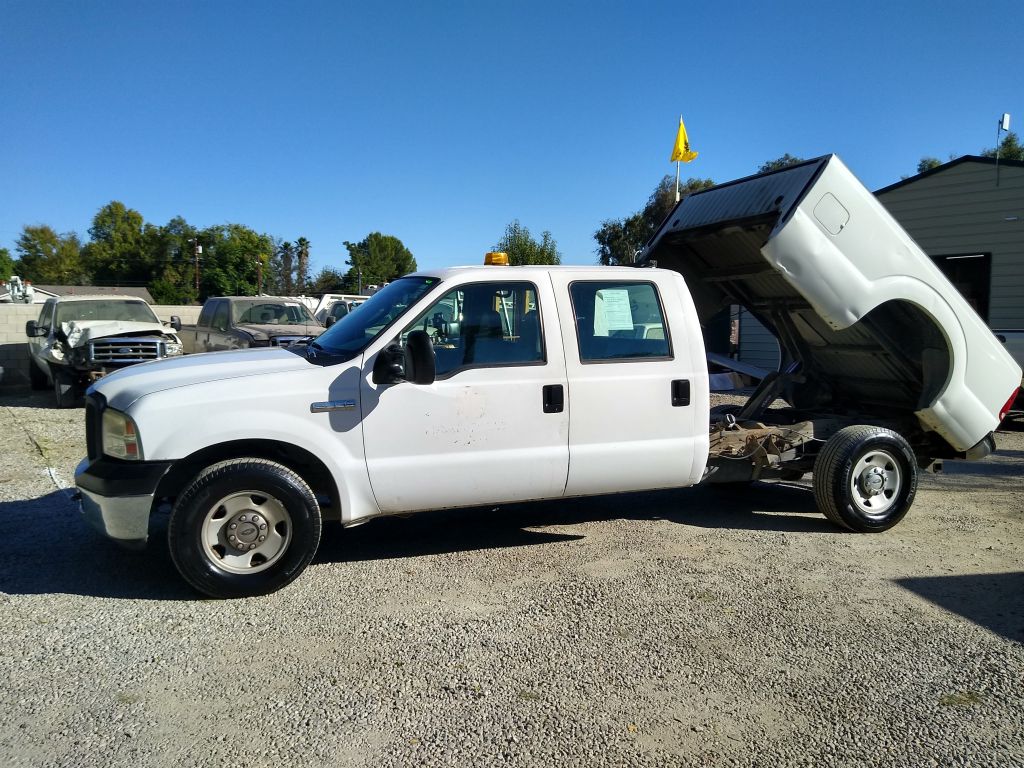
[264,312]
[355,330]
[108,309]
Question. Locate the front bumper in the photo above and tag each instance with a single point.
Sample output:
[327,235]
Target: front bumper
[116,497]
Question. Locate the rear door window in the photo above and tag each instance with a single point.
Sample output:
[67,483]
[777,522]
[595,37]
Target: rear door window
[619,321]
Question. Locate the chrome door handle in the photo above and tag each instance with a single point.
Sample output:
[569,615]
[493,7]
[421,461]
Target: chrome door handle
[332,405]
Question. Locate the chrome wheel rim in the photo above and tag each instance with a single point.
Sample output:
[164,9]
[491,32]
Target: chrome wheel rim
[246,532]
[875,483]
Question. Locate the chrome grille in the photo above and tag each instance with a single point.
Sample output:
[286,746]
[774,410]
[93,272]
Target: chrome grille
[123,351]
[286,341]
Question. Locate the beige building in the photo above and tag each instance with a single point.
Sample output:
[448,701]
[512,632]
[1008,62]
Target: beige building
[968,215]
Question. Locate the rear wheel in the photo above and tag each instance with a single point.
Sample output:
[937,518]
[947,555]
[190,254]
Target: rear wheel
[244,527]
[865,478]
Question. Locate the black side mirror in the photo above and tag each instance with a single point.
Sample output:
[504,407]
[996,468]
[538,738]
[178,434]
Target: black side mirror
[175,322]
[331,320]
[32,330]
[389,367]
[420,363]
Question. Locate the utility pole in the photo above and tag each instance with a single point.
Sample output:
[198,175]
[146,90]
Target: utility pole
[1002,125]
[197,250]
[259,277]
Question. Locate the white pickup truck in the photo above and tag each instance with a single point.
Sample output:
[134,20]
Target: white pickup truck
[480,385]
[79,338]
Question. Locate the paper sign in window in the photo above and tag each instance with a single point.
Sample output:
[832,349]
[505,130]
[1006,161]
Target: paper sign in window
[612,311]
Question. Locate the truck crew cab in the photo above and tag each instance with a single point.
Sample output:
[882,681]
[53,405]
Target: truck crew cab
[481,385]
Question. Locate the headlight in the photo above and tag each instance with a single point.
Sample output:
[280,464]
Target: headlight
[172,348]
[120,436]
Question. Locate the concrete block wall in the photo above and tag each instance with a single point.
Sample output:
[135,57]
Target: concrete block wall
[14,349]
[188,313]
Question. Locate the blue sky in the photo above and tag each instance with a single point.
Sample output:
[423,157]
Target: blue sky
[441,122]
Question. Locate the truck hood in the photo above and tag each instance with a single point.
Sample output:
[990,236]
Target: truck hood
[270,329]
[80,332]
[124,387]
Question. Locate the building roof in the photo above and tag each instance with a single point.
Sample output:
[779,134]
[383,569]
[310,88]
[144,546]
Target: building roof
[39,297]
[1003,162]
[96,290]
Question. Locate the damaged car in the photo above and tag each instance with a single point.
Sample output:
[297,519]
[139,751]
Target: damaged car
[78,339]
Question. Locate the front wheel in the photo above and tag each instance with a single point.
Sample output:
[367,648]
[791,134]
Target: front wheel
[65,389]
[36,376]
[244,527]
[865,478]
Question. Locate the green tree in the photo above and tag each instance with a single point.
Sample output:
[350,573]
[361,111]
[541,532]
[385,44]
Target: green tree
[618,240]
[117,250]
[328,281]
[522,248]
[302,264]
[6,265]
[233,256]
[779,163]
[375,260]
[47,257]
[927,163]
[1009,148]
[171,250]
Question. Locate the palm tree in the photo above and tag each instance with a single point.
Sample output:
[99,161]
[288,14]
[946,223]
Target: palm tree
[302,271]
[287,256]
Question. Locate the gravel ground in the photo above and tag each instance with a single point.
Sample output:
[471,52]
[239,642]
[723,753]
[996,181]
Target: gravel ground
[687,628]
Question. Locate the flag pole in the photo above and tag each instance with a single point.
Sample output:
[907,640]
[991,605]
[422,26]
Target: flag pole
[677,167]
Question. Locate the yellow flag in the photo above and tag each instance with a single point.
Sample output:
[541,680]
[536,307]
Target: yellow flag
[681,151]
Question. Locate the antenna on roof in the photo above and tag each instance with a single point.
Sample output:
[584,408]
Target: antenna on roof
[1003,126]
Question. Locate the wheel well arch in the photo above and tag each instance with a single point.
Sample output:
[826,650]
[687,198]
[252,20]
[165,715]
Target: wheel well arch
[920,341]
[307,465]
[897,357]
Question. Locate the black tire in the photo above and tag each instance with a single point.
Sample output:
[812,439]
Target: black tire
[65,389]
[271,509]
[865,478]
[36,376]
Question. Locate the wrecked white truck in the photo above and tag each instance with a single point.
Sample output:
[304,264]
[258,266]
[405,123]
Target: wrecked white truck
[475,386]
[78,339]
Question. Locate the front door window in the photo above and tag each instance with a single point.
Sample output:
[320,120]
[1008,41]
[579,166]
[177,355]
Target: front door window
[483,325]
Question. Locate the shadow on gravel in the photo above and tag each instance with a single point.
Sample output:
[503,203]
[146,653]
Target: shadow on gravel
[992,600]
[986,468]
[758,507]
[1013,423]
[26,399]
[48,549]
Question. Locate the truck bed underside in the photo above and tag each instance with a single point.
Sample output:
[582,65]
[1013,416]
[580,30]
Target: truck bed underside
[892,361]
